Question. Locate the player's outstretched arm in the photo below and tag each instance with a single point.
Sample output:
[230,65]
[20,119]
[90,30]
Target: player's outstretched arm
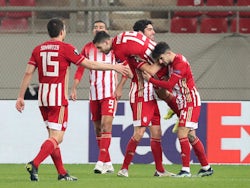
[151,69]
[124,70]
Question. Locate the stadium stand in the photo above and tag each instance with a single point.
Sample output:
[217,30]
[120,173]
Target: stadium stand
[244,25]
[214,25]
[20,3]
[2,4]
[124,20]
[164,21]
[183,25]
[189,3]
[14,25]
[220,3]
[243,3]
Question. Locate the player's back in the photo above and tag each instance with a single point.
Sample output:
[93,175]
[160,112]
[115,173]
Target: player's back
[136,49]
[131,43]
[52,59]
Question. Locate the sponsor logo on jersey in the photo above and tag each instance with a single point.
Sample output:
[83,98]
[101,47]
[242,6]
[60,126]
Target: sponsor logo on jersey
[76,52]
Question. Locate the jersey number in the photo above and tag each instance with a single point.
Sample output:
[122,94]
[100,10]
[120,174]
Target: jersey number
[133,37]
[47,61]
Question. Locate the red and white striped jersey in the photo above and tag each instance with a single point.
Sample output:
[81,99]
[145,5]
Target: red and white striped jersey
[181,83]
[52,59]
[140,89]
[102,83]
[136,49]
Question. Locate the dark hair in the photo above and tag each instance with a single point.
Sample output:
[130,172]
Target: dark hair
[99,21]
[100,37]
[140,25]
[160,48]
[54,27]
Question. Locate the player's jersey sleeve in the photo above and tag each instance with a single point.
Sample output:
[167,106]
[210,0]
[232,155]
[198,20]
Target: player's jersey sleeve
[79,73]
[72,54]
[178,72]
[32,60]
[80,69]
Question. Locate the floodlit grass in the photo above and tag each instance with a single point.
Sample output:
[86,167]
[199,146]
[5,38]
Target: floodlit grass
[140,176]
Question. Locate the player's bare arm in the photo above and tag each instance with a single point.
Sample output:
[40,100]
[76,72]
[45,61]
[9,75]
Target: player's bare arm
[30,69]
[146,75]
[151,69]
[119,87]
[124,70]
[73,93]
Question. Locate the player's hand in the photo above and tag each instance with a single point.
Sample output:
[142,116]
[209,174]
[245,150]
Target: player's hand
[73,94]
[20,104]
[118,93]
[146,75]
[124,70]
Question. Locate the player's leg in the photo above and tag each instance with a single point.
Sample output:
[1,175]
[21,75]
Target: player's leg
[59,115]
[56,156]
[199,150]
[182,135]
[151,107]
[46,149]
[95,109]
[155,137]
[107,110]
[109,107]
[156,148]
[130,150]
[56,127]
[135,139]
[98,131]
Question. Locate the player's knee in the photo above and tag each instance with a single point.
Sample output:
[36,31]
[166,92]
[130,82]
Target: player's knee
[137,136]
[191,138]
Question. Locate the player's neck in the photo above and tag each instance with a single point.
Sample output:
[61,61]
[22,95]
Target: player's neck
[56,39]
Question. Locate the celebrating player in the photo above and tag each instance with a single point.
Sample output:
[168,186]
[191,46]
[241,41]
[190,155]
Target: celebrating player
[135,48]
[52,59]
[102,99]
[182,84]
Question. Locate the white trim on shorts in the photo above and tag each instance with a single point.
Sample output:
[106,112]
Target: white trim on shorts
[191,125]
[55,126]
[137,123]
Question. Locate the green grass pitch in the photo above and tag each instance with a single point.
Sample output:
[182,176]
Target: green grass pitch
[140,176]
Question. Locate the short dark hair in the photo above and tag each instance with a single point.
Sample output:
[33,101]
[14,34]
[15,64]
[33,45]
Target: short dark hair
[160,49]
[100,37]
[140,25]
[54,27]
[100,21]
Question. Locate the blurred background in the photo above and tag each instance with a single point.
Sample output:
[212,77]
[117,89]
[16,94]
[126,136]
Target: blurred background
[212,34]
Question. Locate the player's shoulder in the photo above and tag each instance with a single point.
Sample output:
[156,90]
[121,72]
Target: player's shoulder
[180,58]
[89,44]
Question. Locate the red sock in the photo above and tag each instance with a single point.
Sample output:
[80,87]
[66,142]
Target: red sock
[57,159]
[185,152]
[157,153]
[130,151]
[173,105]
[104,146]
[199,151]
[46,149]
[107,159]
[98,140]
